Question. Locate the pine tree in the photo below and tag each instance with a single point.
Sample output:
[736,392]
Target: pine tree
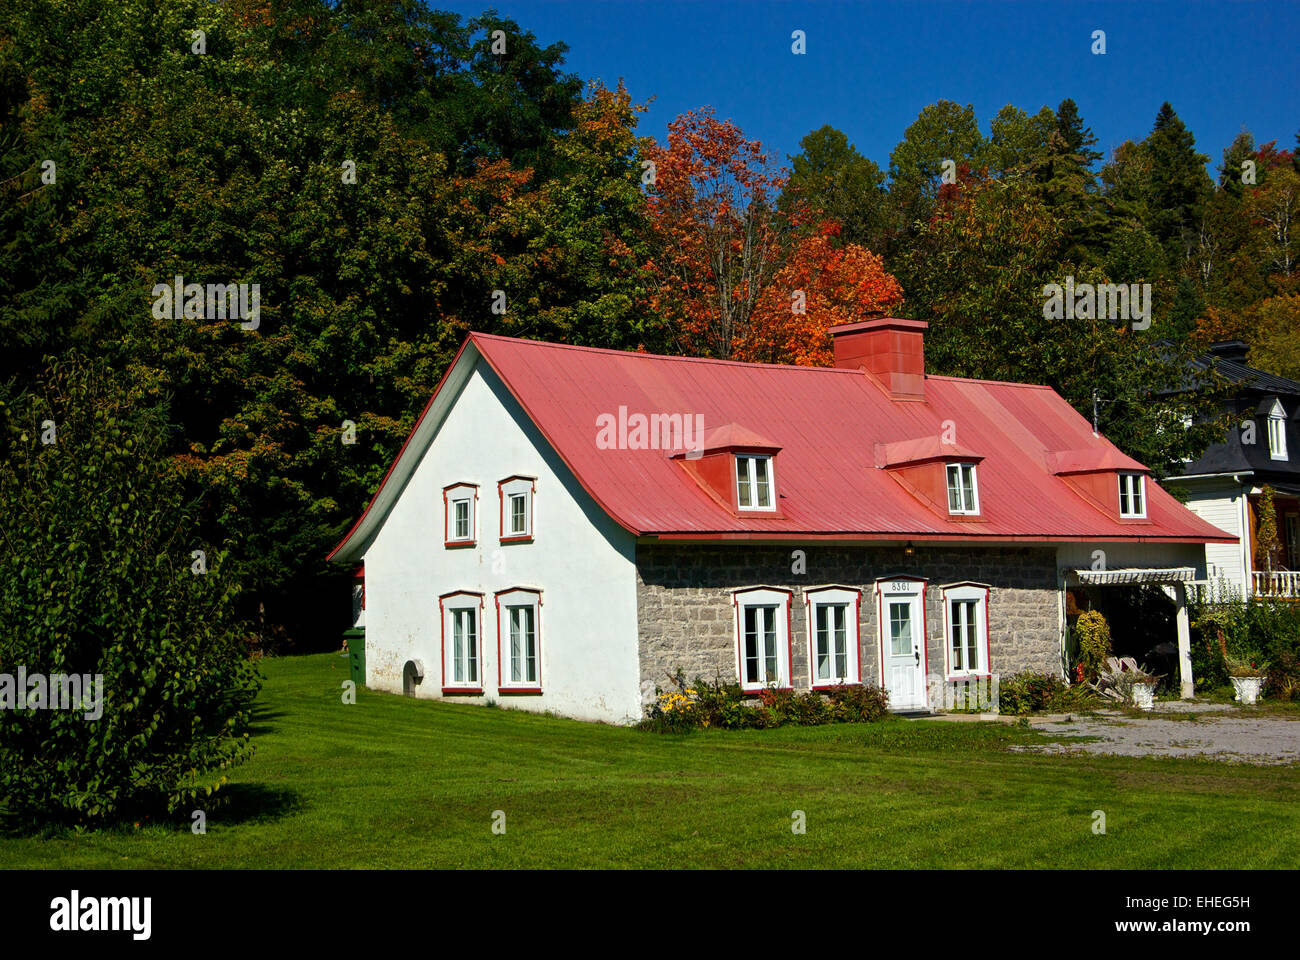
[1179,184]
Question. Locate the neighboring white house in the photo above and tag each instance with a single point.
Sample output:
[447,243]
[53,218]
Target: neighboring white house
[1225,484]
[559,533]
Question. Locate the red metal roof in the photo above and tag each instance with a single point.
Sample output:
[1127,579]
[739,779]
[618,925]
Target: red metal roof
[827,423]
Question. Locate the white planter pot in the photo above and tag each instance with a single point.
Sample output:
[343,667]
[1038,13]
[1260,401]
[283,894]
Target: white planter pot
[1144,696]
[1247,688]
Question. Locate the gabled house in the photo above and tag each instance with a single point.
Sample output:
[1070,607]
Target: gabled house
[565,526]
[1225,485]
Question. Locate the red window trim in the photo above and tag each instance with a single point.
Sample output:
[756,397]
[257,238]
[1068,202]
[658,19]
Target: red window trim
[442,631]
[789,639]
[947,631]
[501,515]
[925,629]
[808,596]
[446,517]
[501,687]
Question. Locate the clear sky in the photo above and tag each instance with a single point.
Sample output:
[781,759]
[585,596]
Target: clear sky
[871,67]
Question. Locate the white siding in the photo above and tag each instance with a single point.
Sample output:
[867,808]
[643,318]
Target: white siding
[580,559]
[1221,505]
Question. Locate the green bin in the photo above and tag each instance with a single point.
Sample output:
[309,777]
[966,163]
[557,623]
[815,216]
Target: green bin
[356,638]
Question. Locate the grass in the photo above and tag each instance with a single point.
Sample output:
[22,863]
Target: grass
[400,783]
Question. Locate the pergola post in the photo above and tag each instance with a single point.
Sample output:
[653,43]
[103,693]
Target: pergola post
[1184,640]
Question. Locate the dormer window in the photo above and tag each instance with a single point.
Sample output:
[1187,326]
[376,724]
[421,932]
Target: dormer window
[963,495]
[1277,432]
[1132,496]
[754,483]
[459,521]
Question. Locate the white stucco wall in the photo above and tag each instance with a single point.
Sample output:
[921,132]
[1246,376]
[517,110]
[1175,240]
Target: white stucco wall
[582,561]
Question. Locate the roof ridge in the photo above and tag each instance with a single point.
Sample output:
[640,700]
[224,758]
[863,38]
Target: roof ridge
[734,363]
[657,356]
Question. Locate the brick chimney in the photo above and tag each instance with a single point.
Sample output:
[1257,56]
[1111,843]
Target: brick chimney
[891,349]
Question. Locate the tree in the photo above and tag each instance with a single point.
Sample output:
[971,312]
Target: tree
[1179,186]
[977,274]
[832,179]
[820,285]
[99,578]
[718,237]
[1016,139]
[941,132]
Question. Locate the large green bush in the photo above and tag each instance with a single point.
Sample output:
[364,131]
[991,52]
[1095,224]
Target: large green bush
[1265,631]
[96,579]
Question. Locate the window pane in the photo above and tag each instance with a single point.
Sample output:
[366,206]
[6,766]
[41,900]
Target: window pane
[763,496]
[900,628]
[1137,495]
[471,646]
[841,642]
[516,644]
[955,615]
[518,513]
[742,480]
[530,646]
[954,489]
[769,643]
[823,653]
[751,644]
[462,519]
[968,487]
[457,646]
[972,651]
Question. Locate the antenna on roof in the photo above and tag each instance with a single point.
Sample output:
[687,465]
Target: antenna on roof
[1095,431]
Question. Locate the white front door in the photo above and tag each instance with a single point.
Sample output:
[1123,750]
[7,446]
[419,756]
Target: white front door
[901,644]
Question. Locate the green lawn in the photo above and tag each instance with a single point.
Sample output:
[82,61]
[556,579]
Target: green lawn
[394,782]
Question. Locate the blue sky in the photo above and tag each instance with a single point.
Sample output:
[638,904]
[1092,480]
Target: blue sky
[871,67]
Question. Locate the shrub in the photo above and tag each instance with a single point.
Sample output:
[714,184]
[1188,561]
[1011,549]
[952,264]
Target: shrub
[1283,681]
[1092,633]
[726,705]
[858,703]
[1027,692]
[95,579]
[1262,631]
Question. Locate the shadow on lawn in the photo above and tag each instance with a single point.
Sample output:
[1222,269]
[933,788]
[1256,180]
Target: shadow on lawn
[244,803]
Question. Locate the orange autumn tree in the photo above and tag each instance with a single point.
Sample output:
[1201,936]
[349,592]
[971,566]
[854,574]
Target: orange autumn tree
[739,277]
[819,286]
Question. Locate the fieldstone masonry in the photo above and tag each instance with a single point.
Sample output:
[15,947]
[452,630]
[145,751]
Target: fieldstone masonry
[686,616]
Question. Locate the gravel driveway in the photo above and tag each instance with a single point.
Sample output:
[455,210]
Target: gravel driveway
[1215,730]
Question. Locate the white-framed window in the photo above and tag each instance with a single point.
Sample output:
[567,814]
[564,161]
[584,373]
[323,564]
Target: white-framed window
[966,626]
[519,640]
[462,641]
[963,495]
[755,482]
[1277,432]
[460,522]
[832,635]
[517,495]
[762,637]
[1132,495]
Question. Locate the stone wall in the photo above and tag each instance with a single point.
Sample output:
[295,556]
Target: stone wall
[686,617]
